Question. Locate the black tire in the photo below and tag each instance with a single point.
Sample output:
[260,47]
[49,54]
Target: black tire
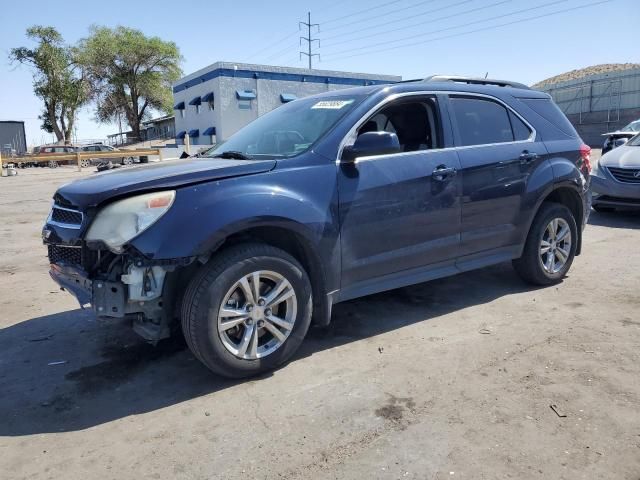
[529,265]
[206,291]
[601,209]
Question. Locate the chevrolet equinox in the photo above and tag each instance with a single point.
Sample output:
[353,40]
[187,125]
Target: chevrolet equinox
[322,200]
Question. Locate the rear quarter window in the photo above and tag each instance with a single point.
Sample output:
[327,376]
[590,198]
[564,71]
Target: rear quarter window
[548,110]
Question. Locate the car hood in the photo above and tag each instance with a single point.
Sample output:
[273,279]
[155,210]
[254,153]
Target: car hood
[623,157]
[96,189]
[620,133]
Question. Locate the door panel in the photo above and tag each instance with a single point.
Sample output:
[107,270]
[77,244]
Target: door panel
[494,182]
[396,214]
[498,153]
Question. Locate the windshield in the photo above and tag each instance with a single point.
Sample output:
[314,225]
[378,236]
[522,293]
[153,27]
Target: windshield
[632,127]
[634,142]
[288,130]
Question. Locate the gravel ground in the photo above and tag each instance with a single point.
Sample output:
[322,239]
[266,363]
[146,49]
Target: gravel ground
[448,379]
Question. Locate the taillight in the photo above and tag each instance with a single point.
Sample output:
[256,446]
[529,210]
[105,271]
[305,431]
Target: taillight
[585,154]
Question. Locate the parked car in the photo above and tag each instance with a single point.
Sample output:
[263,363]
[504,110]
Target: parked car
[615,179]
[99,147]
[56,150]
[620,137]
[379,188]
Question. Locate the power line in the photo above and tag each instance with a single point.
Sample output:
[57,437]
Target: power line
[453,27]
[366,10]
[492,27]
[408,18]
[281,52]
[378,15]
[270,46]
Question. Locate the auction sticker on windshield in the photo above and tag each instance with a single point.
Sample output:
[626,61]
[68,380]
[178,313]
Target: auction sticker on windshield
[332,104]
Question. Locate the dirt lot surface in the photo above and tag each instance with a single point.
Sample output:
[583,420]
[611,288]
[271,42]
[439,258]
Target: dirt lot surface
[448,379]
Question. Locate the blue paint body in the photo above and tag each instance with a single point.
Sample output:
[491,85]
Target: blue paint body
[373,225]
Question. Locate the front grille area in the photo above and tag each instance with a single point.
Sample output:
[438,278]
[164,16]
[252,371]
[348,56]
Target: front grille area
[80,257]
[66,216]
[625,175]
[65,255]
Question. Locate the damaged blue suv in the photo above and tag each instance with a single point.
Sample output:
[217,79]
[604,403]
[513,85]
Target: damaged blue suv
[322,200]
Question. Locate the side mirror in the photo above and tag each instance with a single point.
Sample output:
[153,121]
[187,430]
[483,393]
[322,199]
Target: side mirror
[371,143]
[620,141]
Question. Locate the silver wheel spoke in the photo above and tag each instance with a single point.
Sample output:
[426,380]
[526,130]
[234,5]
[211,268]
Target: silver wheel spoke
[282,297]
[253,345]
[246,290]
[275,291]
[562,255]
[246,339]
[544,247]
[551,258]
[564,231]
[255,283]
[280,322]
[552,228]
[232,323]
[226,312]
[274,330]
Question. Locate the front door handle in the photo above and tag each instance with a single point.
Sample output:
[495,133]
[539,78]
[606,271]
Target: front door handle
[528,157]
[442,173]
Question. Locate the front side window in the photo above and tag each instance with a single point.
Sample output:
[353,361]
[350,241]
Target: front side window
[481,122]
[414,121]
[290,129]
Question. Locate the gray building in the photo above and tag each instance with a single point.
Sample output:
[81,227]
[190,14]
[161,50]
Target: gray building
[12,137]
[215,102]
[597,99]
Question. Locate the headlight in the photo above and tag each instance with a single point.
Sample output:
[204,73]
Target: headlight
[123,220]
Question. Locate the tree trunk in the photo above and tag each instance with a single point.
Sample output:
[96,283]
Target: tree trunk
[51,112]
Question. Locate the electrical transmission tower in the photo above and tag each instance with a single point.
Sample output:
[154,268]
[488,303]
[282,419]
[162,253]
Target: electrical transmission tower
[310,40]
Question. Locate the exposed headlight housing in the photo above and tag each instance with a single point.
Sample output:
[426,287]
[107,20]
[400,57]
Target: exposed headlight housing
[118,223]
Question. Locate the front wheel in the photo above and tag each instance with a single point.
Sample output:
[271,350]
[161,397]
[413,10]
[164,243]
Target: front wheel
[550,247]
[247,311]
[127,161]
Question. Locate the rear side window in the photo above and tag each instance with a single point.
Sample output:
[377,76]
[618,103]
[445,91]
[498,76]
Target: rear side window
[550,111]
[481,122]
[520,130]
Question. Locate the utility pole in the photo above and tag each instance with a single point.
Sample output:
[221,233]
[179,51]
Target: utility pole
[309,54]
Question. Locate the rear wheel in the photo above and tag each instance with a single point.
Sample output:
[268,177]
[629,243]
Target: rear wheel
[53,164]
[247,311]
[85,163]
[127,161]
[550,246]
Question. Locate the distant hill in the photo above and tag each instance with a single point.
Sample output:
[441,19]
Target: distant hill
[586,72]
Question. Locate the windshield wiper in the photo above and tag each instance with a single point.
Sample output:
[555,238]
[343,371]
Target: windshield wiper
[232,154]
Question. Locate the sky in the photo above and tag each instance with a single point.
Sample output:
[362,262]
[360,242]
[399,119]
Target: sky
[412,38]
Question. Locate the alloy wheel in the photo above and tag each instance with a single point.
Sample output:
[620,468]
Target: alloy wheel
[257,315]
[555,245]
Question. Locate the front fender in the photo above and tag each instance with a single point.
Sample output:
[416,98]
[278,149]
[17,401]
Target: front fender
[202,216]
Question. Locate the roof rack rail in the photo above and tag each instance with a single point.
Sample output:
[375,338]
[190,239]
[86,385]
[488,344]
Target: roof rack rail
[476,81]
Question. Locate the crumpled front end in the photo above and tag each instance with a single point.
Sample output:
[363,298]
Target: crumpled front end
[116,285]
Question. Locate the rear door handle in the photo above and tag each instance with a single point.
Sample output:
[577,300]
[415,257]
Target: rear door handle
[442,173]
[528,157]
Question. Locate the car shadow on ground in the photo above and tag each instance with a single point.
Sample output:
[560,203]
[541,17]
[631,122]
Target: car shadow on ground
[616,219]
[69,371]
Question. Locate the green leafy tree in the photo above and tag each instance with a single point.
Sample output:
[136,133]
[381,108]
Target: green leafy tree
[57,79]
[131,74]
